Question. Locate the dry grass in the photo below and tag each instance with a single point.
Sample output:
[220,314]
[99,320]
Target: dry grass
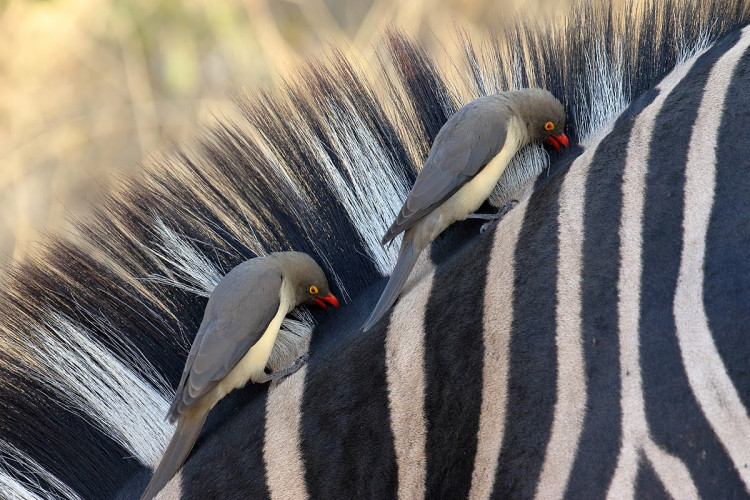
[89,88]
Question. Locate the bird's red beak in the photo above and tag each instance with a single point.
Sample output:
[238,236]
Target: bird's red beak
[330,298]
[558,140]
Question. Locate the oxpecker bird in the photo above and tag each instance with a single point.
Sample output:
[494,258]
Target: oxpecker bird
[235,340]
[467,158]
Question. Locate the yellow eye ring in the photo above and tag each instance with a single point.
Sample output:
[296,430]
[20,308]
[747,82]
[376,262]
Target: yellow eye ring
[313,290]
[549,126]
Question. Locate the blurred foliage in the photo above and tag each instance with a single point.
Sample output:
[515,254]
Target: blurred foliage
[89,88]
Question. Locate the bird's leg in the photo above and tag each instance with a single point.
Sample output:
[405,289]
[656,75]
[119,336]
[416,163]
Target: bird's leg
[481,216]
[497,215]
[267,377]
[493,217]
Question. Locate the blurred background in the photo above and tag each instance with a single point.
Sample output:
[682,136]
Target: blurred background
[90,88]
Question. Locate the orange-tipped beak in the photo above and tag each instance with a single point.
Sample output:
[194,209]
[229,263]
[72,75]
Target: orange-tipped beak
[330,298]
[558,140]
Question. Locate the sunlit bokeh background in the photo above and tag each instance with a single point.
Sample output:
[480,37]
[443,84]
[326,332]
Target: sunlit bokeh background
[90,88]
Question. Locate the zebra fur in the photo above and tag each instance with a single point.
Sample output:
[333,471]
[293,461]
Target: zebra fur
[135,285]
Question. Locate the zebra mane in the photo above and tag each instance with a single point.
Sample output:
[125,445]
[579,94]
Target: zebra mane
[96,326]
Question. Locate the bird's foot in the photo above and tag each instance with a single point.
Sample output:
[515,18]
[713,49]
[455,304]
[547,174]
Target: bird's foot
[288,371]
[493,218]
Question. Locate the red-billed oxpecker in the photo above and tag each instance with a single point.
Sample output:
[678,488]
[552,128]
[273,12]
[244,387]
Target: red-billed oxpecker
[235,341]
[468,157]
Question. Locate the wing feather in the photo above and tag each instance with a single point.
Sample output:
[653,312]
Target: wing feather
[465,144]
[237,314]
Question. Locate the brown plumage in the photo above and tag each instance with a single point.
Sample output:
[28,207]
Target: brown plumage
[465,163]
[235,341]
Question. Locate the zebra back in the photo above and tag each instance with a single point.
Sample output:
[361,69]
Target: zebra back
[552,355]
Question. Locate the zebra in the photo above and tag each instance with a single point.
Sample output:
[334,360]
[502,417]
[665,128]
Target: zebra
[590,344]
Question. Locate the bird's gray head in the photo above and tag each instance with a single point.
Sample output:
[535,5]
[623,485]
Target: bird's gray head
[309,280]
[543,114]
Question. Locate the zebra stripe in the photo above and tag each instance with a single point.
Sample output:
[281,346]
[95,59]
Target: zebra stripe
[405,377]
[453,367]
[532,369]
[637,442]
[597,447]
[282,453]
[671,408]
[571,382]
[727,270]
[497,321]
[708,377]
[347,446]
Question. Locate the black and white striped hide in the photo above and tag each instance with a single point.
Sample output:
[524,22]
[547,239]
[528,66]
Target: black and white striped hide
[593,344]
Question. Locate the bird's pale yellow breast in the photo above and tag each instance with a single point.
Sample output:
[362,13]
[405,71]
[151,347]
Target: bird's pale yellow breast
[252,364]
[472,194]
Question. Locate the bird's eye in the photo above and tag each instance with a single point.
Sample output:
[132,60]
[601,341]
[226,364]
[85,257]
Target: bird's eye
[313,290]
[549,126]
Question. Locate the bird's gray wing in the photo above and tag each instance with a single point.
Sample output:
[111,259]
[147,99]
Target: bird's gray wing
[465,144]
[237,314]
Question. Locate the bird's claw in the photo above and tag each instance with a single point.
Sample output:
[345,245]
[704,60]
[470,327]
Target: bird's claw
[281,374]
[506,208]
[493,218]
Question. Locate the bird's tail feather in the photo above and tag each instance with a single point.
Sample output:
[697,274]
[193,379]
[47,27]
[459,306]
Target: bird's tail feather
[188,428]
[407,257]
